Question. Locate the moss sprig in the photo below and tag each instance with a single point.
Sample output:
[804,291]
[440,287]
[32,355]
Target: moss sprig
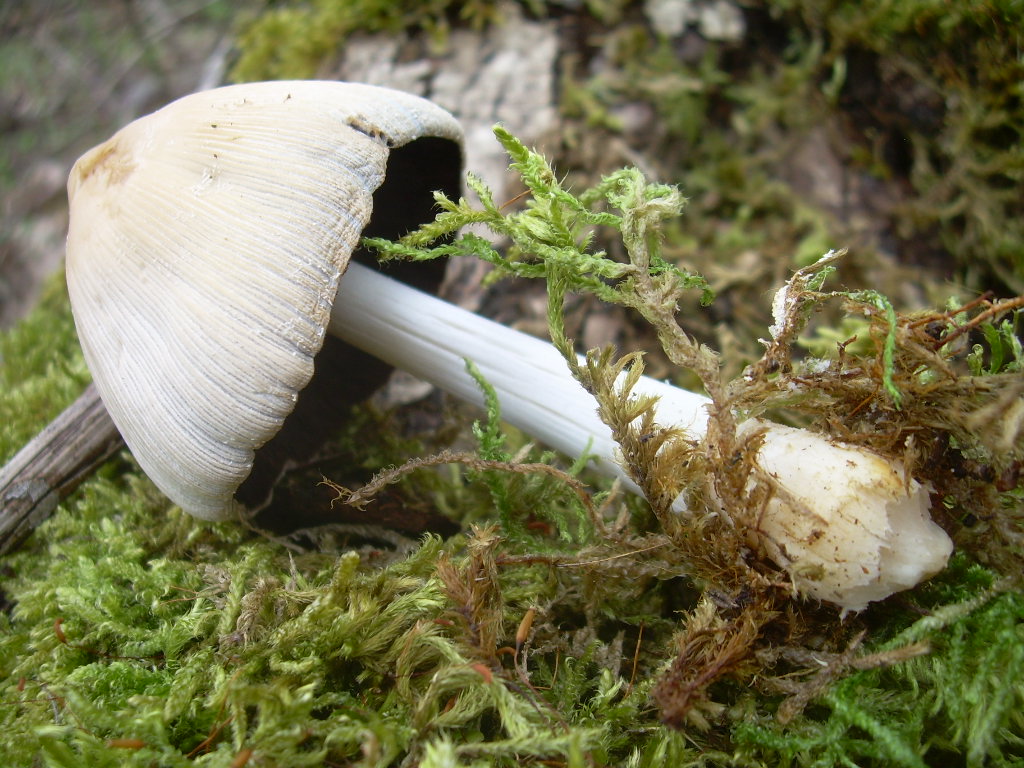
[552,239]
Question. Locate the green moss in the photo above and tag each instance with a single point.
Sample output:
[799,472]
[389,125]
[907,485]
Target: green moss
[856,719]
[922,91]
[955,706]
[959,67]
[137,636]
[135,642]
[293,40]
[41,369]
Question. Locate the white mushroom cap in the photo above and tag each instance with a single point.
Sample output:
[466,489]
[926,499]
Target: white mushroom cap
[205,246]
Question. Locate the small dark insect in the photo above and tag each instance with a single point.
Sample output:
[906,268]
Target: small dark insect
[935,329]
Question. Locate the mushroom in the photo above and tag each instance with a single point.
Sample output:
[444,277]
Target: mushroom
[213,177]
[204,250]
[204,255]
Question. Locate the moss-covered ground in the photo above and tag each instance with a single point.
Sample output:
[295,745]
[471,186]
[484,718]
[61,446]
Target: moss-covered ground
[569,624]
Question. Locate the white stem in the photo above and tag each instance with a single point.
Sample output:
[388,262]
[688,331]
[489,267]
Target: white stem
[432,339]
[869,533]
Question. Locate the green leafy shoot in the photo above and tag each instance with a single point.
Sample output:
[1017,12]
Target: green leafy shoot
[791,309]
[880,302]
[513,491]
[491,446]
[1004,353]
[553,239]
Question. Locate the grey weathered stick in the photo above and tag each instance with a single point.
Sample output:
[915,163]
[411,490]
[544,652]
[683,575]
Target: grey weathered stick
[52,465]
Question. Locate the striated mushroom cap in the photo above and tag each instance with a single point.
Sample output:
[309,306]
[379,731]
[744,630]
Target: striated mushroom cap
[205,246]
